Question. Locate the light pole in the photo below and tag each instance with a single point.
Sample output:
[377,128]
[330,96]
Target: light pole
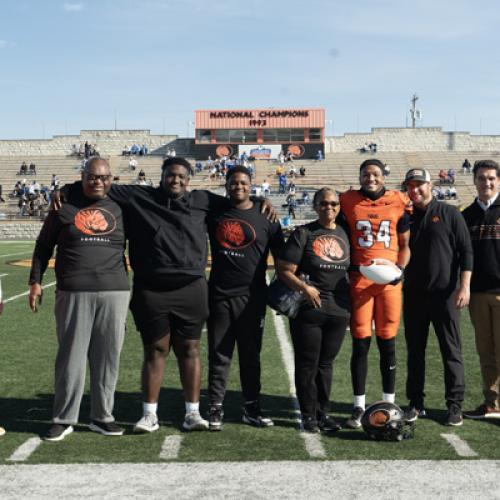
[329,122]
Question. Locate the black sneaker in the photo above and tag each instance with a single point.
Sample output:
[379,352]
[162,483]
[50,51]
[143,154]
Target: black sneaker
[106,428]
[328,424]
[252,415]
[355,421]
[454,415]
[412,413]
[57,432]
[215,418]
[310,424]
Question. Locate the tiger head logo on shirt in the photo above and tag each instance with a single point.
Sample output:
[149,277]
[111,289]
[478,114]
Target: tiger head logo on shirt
[330,248]
[95,221]
[235,234]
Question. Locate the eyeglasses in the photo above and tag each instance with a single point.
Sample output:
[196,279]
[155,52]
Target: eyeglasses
[95,178]
[325,204]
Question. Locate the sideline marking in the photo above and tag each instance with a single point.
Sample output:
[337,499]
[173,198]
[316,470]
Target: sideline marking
[25,450]
[4,274]
[170,447]
[459,445]
[10,299]
[312,442]
[12,254]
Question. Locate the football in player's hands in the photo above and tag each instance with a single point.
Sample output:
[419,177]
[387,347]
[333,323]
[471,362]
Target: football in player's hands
[381,271]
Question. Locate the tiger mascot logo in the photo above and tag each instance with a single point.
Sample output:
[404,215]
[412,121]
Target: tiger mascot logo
[95,221]
[330,248]
[234,234]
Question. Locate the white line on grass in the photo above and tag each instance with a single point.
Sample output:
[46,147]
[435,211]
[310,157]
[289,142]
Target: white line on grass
[312,441]
[459,445]
[170,447]
[10,299]
[13,254]
[25,450]
[2,275]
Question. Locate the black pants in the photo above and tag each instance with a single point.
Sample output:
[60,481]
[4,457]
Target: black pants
[240,321]
[419,311]
[317,338]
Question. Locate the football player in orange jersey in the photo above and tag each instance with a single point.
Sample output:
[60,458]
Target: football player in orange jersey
[378,226]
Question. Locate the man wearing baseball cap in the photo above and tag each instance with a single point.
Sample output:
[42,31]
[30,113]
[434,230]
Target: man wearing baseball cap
[436,287]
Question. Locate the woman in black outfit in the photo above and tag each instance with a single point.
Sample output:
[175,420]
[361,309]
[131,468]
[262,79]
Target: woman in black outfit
[320,251]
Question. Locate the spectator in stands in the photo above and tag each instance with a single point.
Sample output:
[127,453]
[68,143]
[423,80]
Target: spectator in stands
[141,178]
[319,155]
[302,171]
[291,188]
[305,197]
[290,157]
[466,166]
[292,172]
[1,197]
[443,178]
[451,175]
[132,164]
[282,183]
[54,181]
[452,193]
[291,203]
[440,193]
[281,157]
[23,169]
[173,153]
[387,170]
[81,150]
[126,151]
[144,150]
[373,147]
[266,188]
[86,148]
[32,169]
[365,148]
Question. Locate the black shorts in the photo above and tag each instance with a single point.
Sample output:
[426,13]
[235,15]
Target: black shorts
[178,312]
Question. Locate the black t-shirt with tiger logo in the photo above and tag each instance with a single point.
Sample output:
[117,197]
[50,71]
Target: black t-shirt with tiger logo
[240,241]
[90,241]
[323,255]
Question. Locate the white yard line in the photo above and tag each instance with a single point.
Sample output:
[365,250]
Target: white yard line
[2,275]
[170,447]
[25,450]
[354,479]
[29,252]
[10,299]
[312,442]
[459,445]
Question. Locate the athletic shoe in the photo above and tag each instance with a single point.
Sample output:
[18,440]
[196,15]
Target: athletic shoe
[328,424]
[482,412]
[412,413]
[106,428]
[252,415]
[355,421]
[454,415]
[57,432]
[310,424]
[148,423]
[193,421]
[215,417]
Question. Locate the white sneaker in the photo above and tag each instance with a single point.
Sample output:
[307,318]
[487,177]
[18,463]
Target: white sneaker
[193,421]
[148,423]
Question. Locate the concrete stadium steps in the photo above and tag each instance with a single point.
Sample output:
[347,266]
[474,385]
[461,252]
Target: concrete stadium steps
[338,170]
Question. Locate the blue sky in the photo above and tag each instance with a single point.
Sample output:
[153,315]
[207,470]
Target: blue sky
[66,66]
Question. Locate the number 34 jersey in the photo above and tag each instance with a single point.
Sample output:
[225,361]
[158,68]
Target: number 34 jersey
[374,224]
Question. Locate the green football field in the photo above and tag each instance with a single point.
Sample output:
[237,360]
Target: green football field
[28,347]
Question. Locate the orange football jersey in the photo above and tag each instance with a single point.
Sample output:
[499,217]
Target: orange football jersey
[373,224]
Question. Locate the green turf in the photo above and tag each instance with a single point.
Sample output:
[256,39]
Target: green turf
[28,349]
